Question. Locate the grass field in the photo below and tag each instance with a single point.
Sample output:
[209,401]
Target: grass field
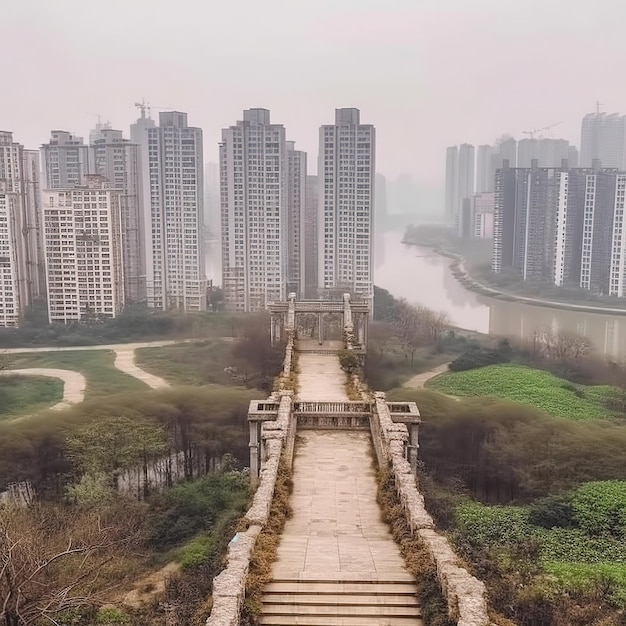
[198,363]
[103,379]
[21,395]
[548,393]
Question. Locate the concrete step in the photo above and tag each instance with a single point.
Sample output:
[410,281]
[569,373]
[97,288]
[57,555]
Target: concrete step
[354,588]
[341,610]
[340,599]
[326,620]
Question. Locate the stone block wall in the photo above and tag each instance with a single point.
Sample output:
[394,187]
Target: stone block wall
[229,587]
[465,594]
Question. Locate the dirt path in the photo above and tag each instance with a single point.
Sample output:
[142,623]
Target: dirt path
[419,381]
[74,384]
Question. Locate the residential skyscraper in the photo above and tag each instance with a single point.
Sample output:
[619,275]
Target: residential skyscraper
[452,183]
[254,195]
[310,232]
[602,139]
[484,169]
[466,172]
[65,161]
[83,245]
[296,202]
[172,165]
[117,159]
[22,264]
[346,175]
[563,226]
[547,152]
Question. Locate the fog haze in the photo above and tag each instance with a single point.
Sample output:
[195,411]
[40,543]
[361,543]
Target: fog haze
[427,74]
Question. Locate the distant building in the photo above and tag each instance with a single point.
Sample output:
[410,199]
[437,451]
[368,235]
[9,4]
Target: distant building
[117,159]
[485,174]
[84,252]
[452,183]
[346,179]
[562,226]
[603,139]
[547,152]
[310,233]
[22,263]
[65,161]
[259,225]
[172,194]
[482,225]
[296,205]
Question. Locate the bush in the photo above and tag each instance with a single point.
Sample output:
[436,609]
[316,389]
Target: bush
[553,512]
[479,357]
[600,507]
[349,361]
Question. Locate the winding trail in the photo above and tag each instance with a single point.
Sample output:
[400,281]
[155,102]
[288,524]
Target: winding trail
[74,384]
[419,380]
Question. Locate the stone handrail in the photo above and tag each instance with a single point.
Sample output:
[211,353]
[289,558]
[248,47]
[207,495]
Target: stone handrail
[229,587]
[465,594]
[332,407]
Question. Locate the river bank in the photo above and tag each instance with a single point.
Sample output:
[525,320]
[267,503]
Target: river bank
[457,267]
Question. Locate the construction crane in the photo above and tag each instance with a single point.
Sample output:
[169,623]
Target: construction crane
[531,133]
[144,106]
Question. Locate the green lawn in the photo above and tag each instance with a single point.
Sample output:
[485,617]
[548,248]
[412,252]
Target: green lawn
[553,395]
[198,363]
[21,395]
[103,379]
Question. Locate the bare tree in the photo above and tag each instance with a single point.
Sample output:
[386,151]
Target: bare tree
[52,558]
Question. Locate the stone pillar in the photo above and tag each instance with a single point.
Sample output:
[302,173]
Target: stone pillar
[272,329]
[254,452]
[413,446]
[360,324]
[320,328]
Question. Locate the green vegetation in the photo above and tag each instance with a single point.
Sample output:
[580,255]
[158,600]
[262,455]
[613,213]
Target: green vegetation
[22,395]
[535,504]
[103,379]
[533,387]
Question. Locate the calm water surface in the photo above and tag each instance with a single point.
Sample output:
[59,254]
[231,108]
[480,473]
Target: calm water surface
[422,277]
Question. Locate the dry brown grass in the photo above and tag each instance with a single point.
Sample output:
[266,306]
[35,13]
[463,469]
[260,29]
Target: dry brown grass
[266,547]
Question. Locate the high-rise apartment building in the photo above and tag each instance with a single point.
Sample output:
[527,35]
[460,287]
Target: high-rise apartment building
[563,226]
[22,264]
[452,183]
[346,176]
[296,204]
[254,192]
[547,152]
[602,139]
[310,235]
[484,169]
[65,161]
[466,172]
[172,194]
[83,246]
[117,159]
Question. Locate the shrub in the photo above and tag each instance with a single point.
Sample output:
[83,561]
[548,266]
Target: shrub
[349,361]
[600,507]
[479,357]
[553,512]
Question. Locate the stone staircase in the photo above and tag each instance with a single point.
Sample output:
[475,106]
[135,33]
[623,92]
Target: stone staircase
[347,601]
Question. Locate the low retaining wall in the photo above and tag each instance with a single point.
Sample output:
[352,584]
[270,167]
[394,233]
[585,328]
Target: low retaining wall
[465,594]
[229,587]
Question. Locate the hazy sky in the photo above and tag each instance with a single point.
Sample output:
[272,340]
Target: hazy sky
[426,73]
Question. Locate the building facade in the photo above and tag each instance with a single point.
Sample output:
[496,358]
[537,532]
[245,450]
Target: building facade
[452,183]
[602,140]
[65,161]
[296,205]
[254,197]
[562,226]
[485,175]
[117,159]
[310,235]
[171,162]
[483,215]
[346,177]
[22,262]
[84,252]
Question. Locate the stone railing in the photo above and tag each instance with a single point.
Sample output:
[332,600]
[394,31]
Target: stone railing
[465,594]
[283,381]
[229,587]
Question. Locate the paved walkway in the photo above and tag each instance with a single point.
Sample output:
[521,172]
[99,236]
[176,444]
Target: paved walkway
[321,378]
[125,362]
[419,380]
[74,383]
[336,528]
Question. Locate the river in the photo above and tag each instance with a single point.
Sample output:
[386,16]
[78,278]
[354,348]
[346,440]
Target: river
[422,277]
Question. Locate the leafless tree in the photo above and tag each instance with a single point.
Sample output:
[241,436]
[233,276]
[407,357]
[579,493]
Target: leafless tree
[52,559]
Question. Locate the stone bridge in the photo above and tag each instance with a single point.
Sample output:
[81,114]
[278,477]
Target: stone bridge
[337,562]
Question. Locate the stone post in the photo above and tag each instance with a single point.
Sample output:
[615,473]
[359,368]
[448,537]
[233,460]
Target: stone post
[413,446]
[360,324]
[320,328]
[272,329]
[254,452]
